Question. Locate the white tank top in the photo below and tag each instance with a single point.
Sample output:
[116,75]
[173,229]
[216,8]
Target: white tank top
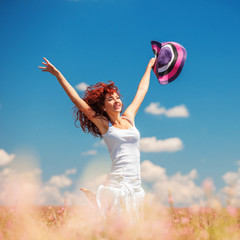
[122,189]
[124,149]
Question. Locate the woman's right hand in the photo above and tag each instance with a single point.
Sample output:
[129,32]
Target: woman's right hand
[152,62]
[49,67]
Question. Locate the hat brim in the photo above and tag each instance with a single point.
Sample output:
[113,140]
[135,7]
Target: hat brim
[171,71]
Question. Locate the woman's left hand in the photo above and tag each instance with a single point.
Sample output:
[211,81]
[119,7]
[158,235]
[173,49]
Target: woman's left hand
[152,62]
[49,67]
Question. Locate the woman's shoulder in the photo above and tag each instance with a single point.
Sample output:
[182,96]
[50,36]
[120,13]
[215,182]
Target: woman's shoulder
[129,117]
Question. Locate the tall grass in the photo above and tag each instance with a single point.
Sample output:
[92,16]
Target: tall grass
[83,222]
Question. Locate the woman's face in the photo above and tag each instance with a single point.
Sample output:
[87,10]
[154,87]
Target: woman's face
[112,103]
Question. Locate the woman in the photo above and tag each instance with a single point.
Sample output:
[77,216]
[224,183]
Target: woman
[99,113]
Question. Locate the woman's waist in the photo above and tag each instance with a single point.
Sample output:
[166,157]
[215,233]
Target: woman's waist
[125,175]
[126,160]
[119,180]
[123,155]
[129,170]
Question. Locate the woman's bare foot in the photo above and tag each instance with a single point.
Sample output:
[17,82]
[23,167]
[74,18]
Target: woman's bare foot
[91,196]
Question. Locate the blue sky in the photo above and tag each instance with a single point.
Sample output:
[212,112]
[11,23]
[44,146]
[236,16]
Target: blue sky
[91,41]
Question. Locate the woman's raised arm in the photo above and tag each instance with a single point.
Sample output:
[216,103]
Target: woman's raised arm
[132,110]
[71,92]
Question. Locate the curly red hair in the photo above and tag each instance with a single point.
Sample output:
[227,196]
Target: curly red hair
[94,96]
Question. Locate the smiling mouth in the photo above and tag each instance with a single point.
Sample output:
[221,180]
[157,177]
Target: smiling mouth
[117,106]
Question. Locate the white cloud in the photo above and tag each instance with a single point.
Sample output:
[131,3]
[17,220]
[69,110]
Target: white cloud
[231,192]
[19,187]
[151,144]
[30,189]
[5,158]
[52,191]
[90,152]
[154,109]
[82,86]
[231,177]
[182,187]
[71,171]
[22,184]
[4,173]
[151,172]
[178,177]
[50,194]
[60,181]
[177,111]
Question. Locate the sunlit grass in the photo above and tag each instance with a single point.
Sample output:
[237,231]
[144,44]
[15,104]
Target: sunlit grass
[83,222]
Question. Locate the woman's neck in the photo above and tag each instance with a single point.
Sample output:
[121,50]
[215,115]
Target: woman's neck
[115,119]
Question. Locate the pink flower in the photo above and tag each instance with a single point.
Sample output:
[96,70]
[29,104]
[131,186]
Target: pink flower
[185,220]
[60,211]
